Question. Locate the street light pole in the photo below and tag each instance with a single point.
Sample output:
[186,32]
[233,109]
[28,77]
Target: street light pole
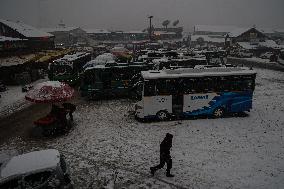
[150,28]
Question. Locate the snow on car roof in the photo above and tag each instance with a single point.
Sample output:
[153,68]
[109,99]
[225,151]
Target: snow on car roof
[25,30]
[189,72]
[54,84]
[72,57]
[33,161]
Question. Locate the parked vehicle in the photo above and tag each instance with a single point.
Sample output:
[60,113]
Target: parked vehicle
[194,92]
[281,58]
[2,87]
[266,55]
[244,54]
[38,169]
[67,69]
[110,80]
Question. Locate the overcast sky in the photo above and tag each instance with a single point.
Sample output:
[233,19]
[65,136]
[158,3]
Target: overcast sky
[132,14]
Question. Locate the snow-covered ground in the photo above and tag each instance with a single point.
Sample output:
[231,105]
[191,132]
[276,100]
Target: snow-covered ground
[13,99]
[108,144]
[256,59]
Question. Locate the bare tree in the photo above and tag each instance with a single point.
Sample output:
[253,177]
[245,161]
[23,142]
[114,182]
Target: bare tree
[175,23]
[166,23]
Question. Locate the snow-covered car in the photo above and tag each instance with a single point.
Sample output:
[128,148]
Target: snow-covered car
[2,87]
[266,55]
[38,169]
[244,54]
[26,88]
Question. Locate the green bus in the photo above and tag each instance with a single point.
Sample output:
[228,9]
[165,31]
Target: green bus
[110,80]
[68,68]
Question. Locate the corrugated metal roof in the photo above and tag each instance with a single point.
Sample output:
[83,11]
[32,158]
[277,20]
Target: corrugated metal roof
[4,38]
[25,30]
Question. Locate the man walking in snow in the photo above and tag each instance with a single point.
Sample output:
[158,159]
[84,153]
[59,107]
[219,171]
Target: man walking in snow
[165,156]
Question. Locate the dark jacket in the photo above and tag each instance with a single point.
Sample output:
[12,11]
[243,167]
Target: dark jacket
[166,145]
[69,106]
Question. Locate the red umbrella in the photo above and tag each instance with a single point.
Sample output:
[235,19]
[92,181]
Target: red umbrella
[50,92]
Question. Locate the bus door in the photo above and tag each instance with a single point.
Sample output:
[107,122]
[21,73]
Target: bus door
[177,103]
[106,79]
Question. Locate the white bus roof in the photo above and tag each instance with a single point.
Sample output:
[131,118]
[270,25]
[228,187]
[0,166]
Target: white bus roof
[72,57]
[190,72]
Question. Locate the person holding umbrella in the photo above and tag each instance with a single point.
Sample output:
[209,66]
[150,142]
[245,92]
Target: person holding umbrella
[51,92]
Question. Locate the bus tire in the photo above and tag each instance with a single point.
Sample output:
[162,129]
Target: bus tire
[219,112]
[162,115]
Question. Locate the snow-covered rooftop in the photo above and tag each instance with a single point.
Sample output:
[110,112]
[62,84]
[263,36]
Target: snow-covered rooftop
[4,38]
[59,29]
[134,32]
[164,33]
[247,45]
[71,57]
[239,31]
[15,60]
[266,43]
[30,162]
[212,28]
[209,38]
[100,60]
[96,31]
[189,72]
[25,30]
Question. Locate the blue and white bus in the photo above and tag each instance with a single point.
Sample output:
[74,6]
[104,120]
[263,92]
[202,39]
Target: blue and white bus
[193,92]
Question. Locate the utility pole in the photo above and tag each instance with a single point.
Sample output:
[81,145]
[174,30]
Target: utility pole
[150,28]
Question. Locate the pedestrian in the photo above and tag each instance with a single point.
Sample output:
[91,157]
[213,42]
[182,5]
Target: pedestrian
[165,156]
[70,108]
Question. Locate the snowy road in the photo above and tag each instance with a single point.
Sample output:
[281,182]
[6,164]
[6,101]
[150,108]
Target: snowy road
[107,143]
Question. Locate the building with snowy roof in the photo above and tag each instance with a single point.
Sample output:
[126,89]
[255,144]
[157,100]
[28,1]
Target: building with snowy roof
[168,33]
[251,39]
[8,44]
[213,30]
[67,35]
[106,35]
[207,41]
[36,39]
[251,35]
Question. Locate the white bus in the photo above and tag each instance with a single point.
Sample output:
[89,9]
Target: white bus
[192,92]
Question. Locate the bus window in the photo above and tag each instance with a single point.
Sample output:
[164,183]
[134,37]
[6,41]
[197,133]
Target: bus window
[208,85]
[223,84]
[247,85]
[198,85]
[189,85]
[235,83]
[166,87]
[150,88]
